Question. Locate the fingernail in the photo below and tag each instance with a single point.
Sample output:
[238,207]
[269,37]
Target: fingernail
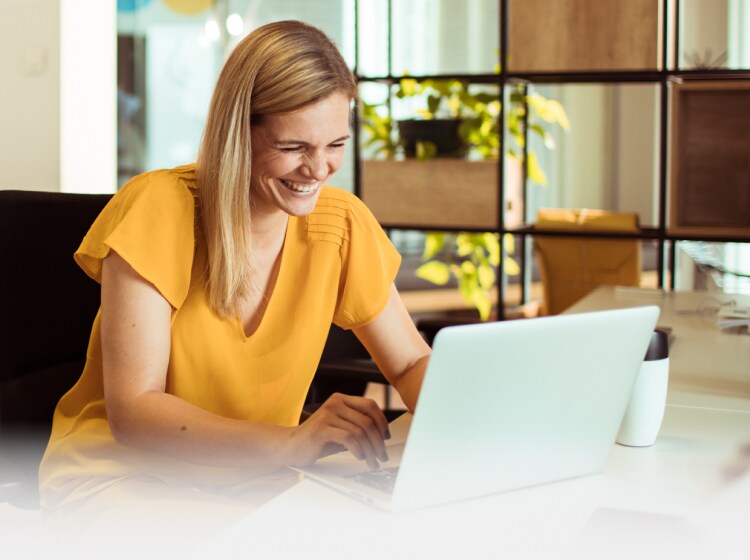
[387,434]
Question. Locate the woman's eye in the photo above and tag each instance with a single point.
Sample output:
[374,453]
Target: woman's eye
[338,145]
[290,149]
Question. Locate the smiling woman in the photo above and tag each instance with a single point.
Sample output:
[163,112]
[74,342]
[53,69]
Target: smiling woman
[294,154]
[219,282]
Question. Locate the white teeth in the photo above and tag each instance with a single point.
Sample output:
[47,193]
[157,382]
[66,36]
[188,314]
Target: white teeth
[299,188]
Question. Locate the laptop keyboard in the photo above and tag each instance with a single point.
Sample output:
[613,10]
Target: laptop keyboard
[382,479]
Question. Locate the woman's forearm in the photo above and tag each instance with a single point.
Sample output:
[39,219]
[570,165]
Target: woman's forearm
[166,424]
[161,422]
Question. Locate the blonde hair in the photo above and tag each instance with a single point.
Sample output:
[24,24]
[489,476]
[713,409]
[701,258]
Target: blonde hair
[278,68]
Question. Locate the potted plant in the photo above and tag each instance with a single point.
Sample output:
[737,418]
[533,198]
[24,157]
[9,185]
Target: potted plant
[448,122]
[471,258]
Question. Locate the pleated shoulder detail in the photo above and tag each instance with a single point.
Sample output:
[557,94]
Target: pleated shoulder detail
[331,220]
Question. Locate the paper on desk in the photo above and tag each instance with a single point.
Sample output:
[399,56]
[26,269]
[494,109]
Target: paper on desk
[733,317]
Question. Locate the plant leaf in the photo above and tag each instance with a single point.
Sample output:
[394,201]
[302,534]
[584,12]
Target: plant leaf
[481,301]
[434,271]
[426,150]
[509,243]
[533,171]
[511,267]
[493,246]
[433,242]
[468,268]
[486,276]
[549,110]
[433,102]
[464,246]
[408,87]
[467,285]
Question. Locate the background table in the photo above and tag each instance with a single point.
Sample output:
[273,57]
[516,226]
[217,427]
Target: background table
[708,366]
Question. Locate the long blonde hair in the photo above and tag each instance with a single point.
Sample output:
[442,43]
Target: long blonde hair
[278,68]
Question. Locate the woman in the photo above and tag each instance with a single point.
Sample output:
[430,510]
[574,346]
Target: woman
[219,282]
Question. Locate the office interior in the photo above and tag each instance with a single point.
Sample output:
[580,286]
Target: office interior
[156,61]
[97,91]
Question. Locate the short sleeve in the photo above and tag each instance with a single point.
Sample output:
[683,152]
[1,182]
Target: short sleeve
[150,223]
[369,266]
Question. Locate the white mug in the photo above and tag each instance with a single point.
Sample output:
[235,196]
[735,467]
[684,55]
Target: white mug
[645,411]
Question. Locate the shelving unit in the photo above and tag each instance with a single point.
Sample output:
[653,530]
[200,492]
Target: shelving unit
[664,73]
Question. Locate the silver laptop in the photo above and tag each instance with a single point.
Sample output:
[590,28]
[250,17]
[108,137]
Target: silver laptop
[506,405]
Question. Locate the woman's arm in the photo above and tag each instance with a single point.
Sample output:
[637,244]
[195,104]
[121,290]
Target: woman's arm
[135,326]
[397,348]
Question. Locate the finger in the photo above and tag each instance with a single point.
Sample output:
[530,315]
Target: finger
[366,426]
[346,436]
[337,411]
[356,439]
[371,409]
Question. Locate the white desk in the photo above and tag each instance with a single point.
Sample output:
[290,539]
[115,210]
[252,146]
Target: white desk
[708,367]
[686,497]
[673,500]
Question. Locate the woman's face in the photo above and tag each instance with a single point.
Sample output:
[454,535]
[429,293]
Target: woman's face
[295,153]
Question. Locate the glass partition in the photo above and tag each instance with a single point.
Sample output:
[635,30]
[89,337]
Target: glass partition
[169,56]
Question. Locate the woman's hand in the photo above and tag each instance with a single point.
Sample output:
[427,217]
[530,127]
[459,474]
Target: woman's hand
[343,421]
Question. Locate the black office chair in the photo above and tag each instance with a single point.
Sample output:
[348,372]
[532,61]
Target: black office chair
[47,305]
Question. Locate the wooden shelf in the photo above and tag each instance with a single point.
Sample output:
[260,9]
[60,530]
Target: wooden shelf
[583,35]
[710,182]
[434,194]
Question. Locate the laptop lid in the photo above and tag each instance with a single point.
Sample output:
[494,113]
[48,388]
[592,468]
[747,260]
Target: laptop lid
[511,404]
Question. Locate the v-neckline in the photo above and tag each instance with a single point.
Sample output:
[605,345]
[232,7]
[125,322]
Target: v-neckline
[272,297]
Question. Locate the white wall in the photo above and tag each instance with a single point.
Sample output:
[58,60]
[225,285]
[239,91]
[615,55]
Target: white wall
[88,96]
[57,100]
[585,181]
[704,30]
[29,96]
[636,152]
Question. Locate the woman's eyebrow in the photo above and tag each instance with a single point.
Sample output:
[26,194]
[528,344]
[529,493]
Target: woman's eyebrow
[289,141]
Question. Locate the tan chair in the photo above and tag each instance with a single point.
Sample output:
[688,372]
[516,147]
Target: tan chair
[571,267]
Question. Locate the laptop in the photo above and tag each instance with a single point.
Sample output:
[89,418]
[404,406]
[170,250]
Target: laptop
[505,405]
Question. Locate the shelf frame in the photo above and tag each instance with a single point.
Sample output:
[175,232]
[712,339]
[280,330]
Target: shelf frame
[668,70]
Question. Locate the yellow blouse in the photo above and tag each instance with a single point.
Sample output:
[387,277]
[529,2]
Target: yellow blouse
[337,266]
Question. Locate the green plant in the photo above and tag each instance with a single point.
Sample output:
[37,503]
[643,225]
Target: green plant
[441,99]
[472,263]
[478,110]
[471,258]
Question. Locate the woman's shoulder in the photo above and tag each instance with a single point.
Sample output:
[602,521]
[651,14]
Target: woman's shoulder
[336,216]
[175,180]
[339,201]
[173,191]
[151,223]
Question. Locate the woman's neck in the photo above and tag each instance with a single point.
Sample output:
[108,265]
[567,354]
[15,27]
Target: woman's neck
[267,228]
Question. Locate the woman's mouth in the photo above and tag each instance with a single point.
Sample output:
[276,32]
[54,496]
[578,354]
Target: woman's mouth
[302,188]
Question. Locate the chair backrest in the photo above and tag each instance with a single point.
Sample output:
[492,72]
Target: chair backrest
[47,304]
[571,267]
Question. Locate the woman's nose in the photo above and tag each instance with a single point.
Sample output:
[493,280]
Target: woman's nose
[318,166]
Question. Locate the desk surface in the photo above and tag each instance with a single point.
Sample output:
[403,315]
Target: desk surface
[686,497]
[708,367]
[690,493]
